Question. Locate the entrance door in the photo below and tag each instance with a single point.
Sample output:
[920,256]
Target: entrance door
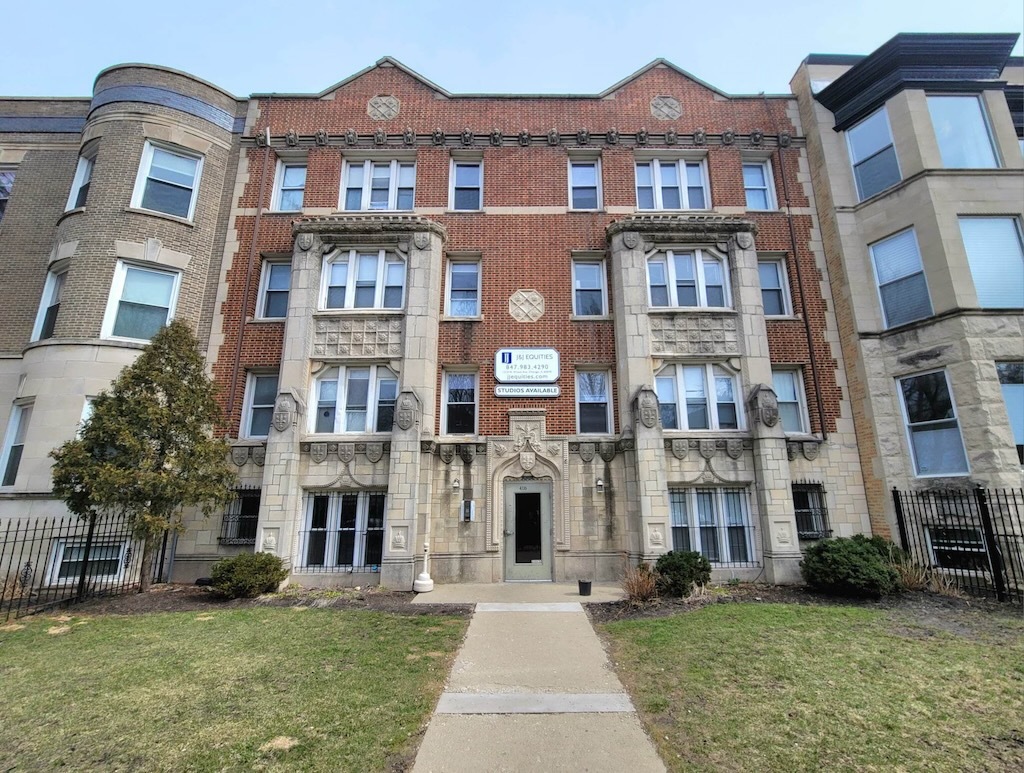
[527,531]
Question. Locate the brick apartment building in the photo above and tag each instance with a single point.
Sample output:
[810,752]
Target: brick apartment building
[534,337]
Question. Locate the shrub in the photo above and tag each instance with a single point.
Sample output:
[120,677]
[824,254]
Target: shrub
[248,575]
[640,584]
[678,572]
[848,567]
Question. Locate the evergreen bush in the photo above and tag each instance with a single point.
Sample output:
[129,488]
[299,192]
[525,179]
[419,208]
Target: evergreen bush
[248,575]
[679,571]
[852,567]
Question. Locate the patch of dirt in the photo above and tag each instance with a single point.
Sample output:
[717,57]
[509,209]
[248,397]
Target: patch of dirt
[280,744]
[58,630]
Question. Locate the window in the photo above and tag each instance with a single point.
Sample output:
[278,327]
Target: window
[50,305]
[87,409]
[957,547]
[80,186]
[352,398]
[757,185]
[460,393]
[713,522]
[260,395]
[996,259]
[463,297]
[141,302]
[589,294]
[168,181]
[873,155]
[275,282]
[688,279]
[290,188]
[240,518]
[344,531]
[962,132]
[6,183]
[789,391]
[354,279]
[932,425]
[467,185]
[374,185]
[671,185]
[774,297]
[1011,380]
[811,512]
[585,184]
[593,402]
[14,443]
[708,393]
[901,283]
[107,561]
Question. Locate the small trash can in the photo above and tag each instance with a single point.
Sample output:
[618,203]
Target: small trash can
[584,587]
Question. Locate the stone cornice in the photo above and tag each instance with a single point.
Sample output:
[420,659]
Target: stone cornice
[349,226]
[707,227]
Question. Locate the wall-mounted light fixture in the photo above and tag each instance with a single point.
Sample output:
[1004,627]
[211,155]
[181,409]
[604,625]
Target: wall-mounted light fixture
[455,485]
[600,485]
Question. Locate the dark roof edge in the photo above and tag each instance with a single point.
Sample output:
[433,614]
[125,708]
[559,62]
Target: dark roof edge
[846,59]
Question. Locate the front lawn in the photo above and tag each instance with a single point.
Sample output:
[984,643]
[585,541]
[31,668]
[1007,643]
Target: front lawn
[782,687]
[227,689]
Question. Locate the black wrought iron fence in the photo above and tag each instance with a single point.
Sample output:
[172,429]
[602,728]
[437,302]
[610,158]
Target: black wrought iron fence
[46,562]
[974,538]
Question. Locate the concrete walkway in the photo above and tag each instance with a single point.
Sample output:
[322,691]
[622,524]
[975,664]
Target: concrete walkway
[532,690]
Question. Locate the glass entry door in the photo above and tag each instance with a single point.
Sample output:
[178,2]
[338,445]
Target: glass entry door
[527,531]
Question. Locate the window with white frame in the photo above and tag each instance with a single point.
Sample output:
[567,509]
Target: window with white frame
[678,184]
[902,287]
[714,522]
[275,283]
[757,185]
[593,402]
[810,510]
[6,184]
[260,394]
[141,301]
[774,295]
[466,191]
[996,258]
[697,397]
[961,128]
[585,183]
[46,318]
[290,187]
[344,531]
[960,548]
[590,294]
[789,391]
[355,398]
[688,279]
[363,279]
[14,442]
[107,561]
[1011,381]
[460,403]
[873,155]
[932,425]
[379,185]
[83,178]
[168,180]
[87,409]
[462,298]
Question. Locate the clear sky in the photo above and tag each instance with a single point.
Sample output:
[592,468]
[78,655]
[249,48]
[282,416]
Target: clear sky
[56,48]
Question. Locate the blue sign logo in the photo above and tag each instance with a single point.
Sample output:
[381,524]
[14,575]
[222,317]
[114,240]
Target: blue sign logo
[506,358]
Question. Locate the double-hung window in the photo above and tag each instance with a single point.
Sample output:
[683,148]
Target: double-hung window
[141,302]
[1011,381]
[593,402]
[460,403]
[379,185]
[14,443]
[810,510]
[757,185]
[260,394]
[362,279]
[168,180]
[46,319]
[585,183]
[688,279]
[463,296]
[290,188]
[932,425]
[467,185]
[275,283]
[873,155]
[774,297]
[996,258]
[344,531]
[679,184]
[962,131]
[355,398]
[714,522]
[697,397]
[590,297]
[789,391]
[83,178]
[6,184]
[902,287]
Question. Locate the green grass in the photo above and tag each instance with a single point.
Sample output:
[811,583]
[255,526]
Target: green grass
[770,687]
[204,691]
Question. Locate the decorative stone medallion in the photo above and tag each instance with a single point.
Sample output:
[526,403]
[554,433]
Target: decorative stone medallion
[406,412]
[666,108]
[447,453]
[648,408]
[587,451]
[421,239]
[305,241]
[744,240]
[700,136]
[680,448]
[283,412]
[346,452]
[631,239]
[374,452]
[734,448]
[318,452]
[259,455]
[526,305]
[496,137]
[409,136]
[240,455]
[606,450]
[383,107]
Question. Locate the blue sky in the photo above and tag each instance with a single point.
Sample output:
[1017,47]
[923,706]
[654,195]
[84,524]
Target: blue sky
[520,47]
